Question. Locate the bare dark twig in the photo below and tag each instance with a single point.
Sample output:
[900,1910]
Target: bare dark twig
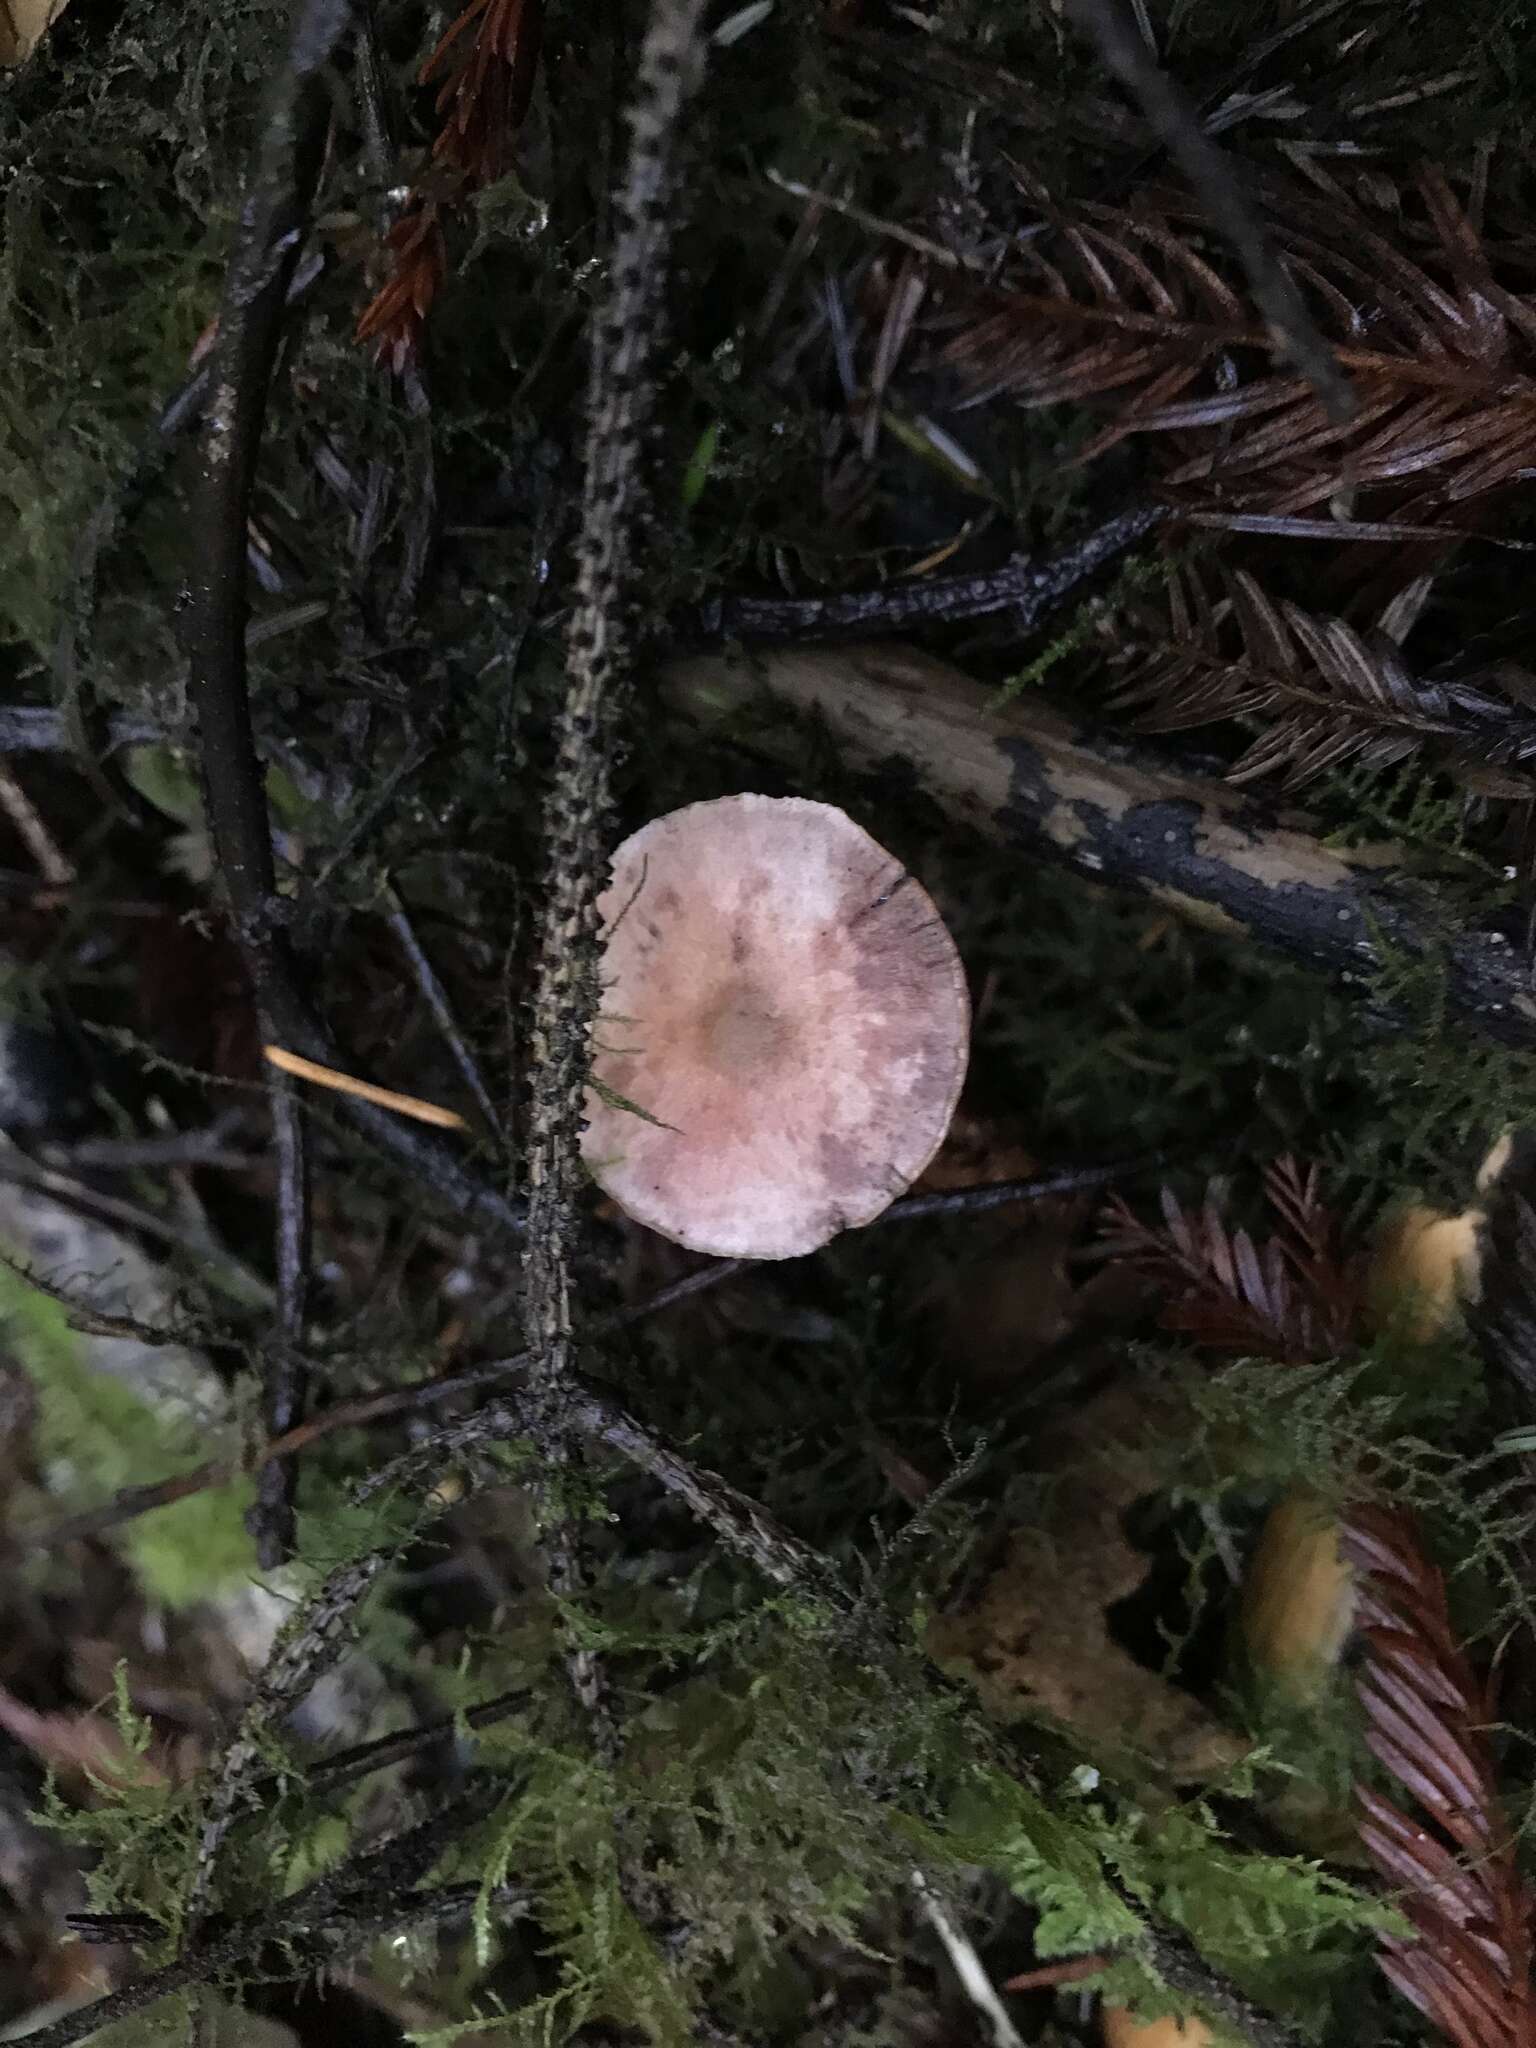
[421,1397]
[436,998]
[79,724]
[42,729]
[1024,588]
[346,1766]
[211,1147]
[131,1502]
[286,1379]
[220,1268]
[1217,179]
[261,265]
[245,352]
[1001,1194]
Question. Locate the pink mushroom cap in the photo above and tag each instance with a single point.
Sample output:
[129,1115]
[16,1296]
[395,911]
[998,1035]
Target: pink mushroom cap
[788,1016]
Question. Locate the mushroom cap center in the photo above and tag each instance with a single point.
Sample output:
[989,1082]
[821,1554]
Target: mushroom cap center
[795,1020]
[741,1026]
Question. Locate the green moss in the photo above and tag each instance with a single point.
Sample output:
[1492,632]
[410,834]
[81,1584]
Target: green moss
[95,1435]
[1283,1926]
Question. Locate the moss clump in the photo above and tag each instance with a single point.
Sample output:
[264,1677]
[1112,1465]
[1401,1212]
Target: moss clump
[96,1435]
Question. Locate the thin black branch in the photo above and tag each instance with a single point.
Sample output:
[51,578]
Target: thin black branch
[215,607]
[216,602]
[42,729]
[436,999]
[78,722]
[285,1377]
[347,1766]
[1216,177]
[1185,1971]
[220,1268]
[210,1147]
[1024,588]
[421,1397]
[1001,1194]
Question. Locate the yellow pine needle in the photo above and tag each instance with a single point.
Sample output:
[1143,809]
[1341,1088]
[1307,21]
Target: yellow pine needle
[347,1084]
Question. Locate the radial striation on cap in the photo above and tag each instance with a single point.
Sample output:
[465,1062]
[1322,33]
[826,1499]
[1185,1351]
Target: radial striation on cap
[788,1016]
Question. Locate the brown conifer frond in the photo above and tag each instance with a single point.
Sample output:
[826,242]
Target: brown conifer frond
[1450,1856]
[486,62]
[396,315]
[485,66]
[1324,692]
[1293,1297]
[1129,307]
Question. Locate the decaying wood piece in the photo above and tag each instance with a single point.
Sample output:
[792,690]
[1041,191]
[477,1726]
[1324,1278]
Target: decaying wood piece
[1036,1639]
[1043,782]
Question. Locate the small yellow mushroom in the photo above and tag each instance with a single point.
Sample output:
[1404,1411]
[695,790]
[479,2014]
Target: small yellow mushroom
[1119,2028]
[1424,1267]
[1298,1596]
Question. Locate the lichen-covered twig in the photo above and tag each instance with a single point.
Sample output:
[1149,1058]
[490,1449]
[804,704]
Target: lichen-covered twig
[621,401]
[751,1532]
[343,1911]
[309,1646]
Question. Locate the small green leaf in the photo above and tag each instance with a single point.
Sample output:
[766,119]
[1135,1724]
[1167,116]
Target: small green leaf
[700,462]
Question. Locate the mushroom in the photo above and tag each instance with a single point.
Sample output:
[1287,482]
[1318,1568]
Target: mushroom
[783,1032]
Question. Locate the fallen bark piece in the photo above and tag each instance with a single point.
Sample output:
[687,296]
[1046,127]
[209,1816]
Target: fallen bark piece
[23,24]
[1035,1639]
[1036,779]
